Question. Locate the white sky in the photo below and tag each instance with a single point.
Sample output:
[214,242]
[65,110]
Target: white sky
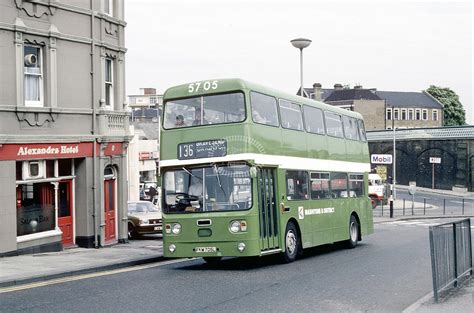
[388,45]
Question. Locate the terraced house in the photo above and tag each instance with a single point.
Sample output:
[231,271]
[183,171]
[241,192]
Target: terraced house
[63,125]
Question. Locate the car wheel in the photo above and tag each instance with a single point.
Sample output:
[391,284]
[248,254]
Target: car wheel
[212,260]
[292,243]
[353,233]
[131,232]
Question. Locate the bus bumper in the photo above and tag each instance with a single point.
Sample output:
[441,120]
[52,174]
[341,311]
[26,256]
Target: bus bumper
[211,249]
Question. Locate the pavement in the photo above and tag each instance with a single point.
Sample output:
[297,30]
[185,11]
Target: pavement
[33,268]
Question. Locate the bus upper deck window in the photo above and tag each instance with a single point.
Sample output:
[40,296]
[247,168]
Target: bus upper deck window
[264,109]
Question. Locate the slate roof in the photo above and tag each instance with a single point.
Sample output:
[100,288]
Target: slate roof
[352,94]
[405,99]
[324,95]
[409,99]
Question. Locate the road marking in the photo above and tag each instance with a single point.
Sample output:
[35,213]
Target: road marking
[90,275]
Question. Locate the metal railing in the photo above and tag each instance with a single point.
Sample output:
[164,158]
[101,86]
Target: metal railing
[451,254]
[427,207]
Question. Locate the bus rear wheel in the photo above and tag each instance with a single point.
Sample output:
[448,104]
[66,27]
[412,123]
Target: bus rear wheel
[292,243]
[353,233]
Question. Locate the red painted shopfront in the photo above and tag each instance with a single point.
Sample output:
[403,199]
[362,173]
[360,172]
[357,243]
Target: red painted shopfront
[45,186]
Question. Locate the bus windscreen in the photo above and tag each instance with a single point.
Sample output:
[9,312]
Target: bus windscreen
[205,189]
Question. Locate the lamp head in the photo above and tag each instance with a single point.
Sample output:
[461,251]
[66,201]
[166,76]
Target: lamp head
[300,43]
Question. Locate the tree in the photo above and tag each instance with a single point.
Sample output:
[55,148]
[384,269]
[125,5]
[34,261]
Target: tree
[454,114]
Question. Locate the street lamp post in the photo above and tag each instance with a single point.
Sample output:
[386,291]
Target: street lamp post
[301,43]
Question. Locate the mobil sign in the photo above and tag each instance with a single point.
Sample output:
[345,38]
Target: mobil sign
[381,158]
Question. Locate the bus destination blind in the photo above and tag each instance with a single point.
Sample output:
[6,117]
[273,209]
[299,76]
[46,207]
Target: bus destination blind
[202,149]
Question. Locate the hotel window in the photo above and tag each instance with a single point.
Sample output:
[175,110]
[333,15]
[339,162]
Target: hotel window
[411,115]
[33,76]
[109,83]
[388,114]
[109,7]
[396,115]
[36,197]
[434,115]
[404,114]
[418,114]
[425,114]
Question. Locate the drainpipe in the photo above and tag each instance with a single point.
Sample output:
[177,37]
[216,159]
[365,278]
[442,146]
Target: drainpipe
[94,131]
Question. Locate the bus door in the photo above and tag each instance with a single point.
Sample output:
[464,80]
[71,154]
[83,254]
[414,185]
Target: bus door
[267,204]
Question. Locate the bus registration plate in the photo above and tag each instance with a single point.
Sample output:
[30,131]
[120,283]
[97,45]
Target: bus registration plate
[205,249]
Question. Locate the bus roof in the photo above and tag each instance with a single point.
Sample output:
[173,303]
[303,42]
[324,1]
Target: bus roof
[233,84]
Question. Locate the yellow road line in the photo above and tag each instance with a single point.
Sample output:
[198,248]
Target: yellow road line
[89,275]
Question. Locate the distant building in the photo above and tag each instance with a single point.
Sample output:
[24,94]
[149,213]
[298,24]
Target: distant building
[146,99]
[383,109]
[145,112]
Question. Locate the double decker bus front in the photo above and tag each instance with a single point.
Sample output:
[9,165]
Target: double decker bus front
[207,196]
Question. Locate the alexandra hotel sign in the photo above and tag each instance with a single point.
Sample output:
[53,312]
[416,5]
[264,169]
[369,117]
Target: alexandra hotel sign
[54,150]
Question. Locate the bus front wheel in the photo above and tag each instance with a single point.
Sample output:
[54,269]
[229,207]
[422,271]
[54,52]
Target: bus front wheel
[292,243]
[353,233]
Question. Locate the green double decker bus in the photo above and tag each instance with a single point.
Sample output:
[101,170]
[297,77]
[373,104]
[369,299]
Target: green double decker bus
[250,171]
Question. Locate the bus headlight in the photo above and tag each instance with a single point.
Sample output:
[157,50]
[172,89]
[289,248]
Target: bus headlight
[172,248]
[238,226]
[234,227]
[241,247]
[176,228]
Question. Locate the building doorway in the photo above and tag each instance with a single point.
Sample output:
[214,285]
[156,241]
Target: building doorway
[109,203]
[65,215]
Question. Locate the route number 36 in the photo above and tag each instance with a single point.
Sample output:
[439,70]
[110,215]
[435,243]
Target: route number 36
[200,86]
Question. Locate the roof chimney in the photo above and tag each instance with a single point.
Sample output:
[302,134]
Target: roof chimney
[317,92]
[148,91]
[358,87]
[337,87]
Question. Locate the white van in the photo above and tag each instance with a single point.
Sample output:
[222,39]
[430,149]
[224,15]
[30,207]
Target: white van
[376,189]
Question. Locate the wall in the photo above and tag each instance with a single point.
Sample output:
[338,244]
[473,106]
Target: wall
[7,208]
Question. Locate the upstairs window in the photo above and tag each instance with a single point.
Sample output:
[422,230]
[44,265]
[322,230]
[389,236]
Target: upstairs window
[333,124]
[396,115]
[109,83]
[388,114]
[109,7]
[425,114]
[350,128]
[418,114]
[33,76]
[362,136]
[314,120]
[434,115]
[404,114]
[264,109]
[290,115]
[411,115]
